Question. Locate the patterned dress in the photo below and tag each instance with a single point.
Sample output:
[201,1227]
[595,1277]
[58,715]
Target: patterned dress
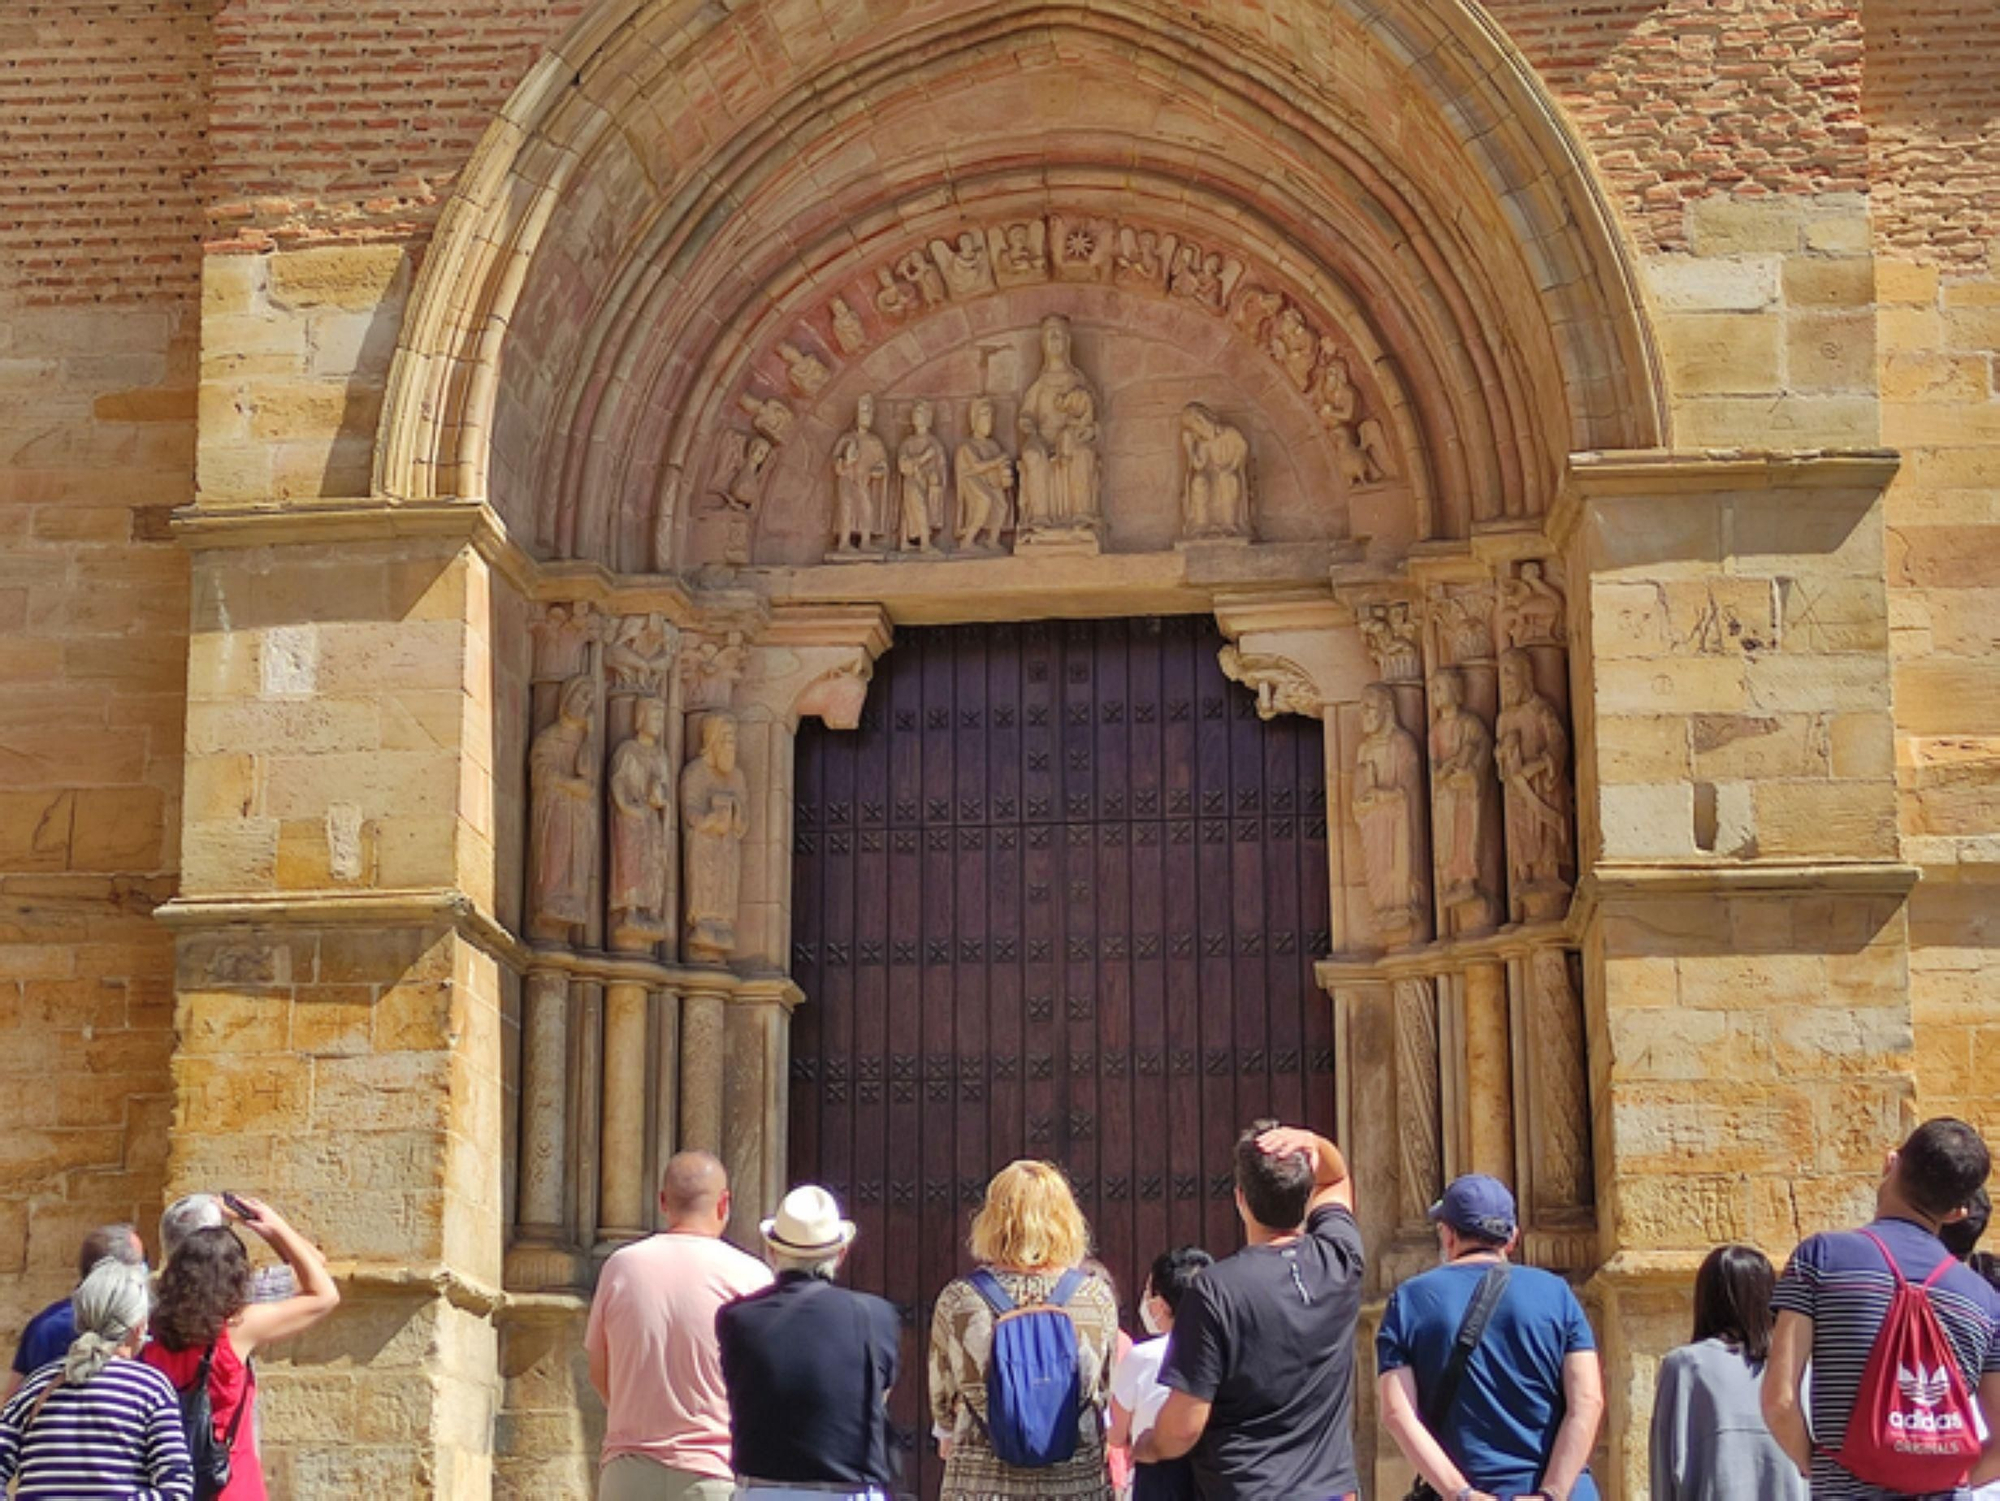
[961,1335]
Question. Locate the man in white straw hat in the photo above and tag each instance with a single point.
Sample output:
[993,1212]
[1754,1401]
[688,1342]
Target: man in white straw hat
[651,1342]
[809,1366]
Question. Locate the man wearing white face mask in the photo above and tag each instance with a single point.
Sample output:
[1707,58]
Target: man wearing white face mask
[1136,1392]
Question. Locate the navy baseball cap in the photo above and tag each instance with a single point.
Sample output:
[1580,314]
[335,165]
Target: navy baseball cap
[1477,1205]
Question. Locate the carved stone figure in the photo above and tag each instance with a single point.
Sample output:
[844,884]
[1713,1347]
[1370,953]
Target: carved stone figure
[1215,491]
[1020,252]
[1334,395]
[562,805]
[710,666]
[1395,641]
[964,264]
[861,482]
[1387,804]
[892,300]
[1465,624]
[769,416]
[746,486]
[1212,279]
[847,330]
[1531,609]
[1292,344]
[985,478]
[1282,686]
[730,450]
[916,269]
[638,654]
[715,815]
[1348,459]
[1377,459]
[1144,256]
[1254,311]
[807,372]
[641,791]
[922,462]
[1462,793]
[1531,749]
[1185,278]
[1058,424]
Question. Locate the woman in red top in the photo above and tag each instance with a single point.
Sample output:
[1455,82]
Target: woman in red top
[203,1300]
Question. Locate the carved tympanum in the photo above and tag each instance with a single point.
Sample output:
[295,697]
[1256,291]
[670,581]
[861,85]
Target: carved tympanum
[562,798]
[715,815]
[922,464]
[1387,804]
[1215,486]
[1059,432]
[641,792]
[985,479]
[861,482]
[1531,749]
[1462,789]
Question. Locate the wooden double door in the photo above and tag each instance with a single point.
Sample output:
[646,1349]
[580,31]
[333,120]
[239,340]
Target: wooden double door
[1058,897]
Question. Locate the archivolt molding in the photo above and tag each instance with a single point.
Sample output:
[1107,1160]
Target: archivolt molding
[624,410]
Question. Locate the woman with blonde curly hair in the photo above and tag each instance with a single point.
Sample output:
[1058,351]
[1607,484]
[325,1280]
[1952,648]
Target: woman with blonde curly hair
[1027,1235]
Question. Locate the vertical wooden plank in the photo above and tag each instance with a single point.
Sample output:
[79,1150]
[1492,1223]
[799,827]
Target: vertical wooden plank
[1111,758]
[1152,1180]
[1006,1117]
[1078,1005]
[1187,1178]
[1042,862]
[1221,1116]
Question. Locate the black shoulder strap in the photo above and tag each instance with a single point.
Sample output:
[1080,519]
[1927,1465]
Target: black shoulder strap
[1471,1329]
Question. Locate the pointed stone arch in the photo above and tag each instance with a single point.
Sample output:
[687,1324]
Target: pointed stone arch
[673,188]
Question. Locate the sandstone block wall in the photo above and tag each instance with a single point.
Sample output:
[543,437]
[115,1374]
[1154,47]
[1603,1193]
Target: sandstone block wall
[102,110]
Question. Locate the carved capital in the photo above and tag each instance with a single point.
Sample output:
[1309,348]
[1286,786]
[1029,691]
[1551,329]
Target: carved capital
[711,663]
[1395,640]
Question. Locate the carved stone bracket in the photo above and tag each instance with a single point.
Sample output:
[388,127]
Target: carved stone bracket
[1282,686]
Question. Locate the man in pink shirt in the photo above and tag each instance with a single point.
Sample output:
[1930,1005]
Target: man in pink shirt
[651,1341]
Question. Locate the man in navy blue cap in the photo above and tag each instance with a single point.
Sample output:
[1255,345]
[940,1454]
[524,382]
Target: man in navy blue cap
[1489,1381]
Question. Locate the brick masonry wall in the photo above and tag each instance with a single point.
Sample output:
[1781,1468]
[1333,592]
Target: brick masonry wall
[101,114]
[334,119]
[1682,99]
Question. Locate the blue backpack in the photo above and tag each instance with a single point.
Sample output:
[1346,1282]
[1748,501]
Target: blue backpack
[1033,1389]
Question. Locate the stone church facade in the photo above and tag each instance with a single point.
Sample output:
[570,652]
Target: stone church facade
[1516,480]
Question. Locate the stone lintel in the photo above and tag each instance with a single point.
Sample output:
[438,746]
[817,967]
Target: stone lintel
[1442,956]
[975,590]
[1669,1269]
[427,1279]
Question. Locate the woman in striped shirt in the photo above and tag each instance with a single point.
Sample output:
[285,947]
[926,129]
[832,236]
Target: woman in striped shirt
[97,1423]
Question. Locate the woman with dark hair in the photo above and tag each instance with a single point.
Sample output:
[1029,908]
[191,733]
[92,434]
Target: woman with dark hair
[1709,1439]
[206,1328]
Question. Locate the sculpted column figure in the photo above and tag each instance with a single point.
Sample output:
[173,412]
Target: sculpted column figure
[1532,752]
[921,461]
[1215,494]
[985,476]
[1462,792]
[715,815]
[1058,464]
[860,482]
[642,781]
[562,834]
[1387,803]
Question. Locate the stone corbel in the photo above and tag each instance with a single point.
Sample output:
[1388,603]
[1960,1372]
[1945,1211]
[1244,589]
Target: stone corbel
[1296,648]
[814,662]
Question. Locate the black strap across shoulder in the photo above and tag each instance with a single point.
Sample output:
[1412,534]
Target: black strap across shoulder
[1471,1329]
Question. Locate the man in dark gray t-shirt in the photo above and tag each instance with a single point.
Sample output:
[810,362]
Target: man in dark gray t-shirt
[1261,1367]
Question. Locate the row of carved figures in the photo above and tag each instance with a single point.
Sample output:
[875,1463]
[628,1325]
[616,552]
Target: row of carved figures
[608,833]
[1063,247]
[1461,788]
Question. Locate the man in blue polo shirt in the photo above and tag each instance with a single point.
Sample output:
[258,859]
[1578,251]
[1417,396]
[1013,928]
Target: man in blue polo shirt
[50,1332]
[1835,1294]
[1528,1399]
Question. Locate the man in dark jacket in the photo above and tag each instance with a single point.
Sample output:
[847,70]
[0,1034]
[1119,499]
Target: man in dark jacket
[808,1366]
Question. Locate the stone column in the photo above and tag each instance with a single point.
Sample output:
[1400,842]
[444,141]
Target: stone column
[1489,1072]
[666,1088]
[544,1105]
[1745,935]
[622,1200]
[704,1017]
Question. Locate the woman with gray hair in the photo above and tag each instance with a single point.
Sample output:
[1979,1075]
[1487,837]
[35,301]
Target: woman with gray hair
[97,1422]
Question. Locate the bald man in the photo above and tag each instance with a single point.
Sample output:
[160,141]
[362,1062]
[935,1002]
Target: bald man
[651,1341]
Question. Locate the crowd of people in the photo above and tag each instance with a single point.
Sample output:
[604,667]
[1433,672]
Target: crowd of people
[1868,1371]
[144,1388]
